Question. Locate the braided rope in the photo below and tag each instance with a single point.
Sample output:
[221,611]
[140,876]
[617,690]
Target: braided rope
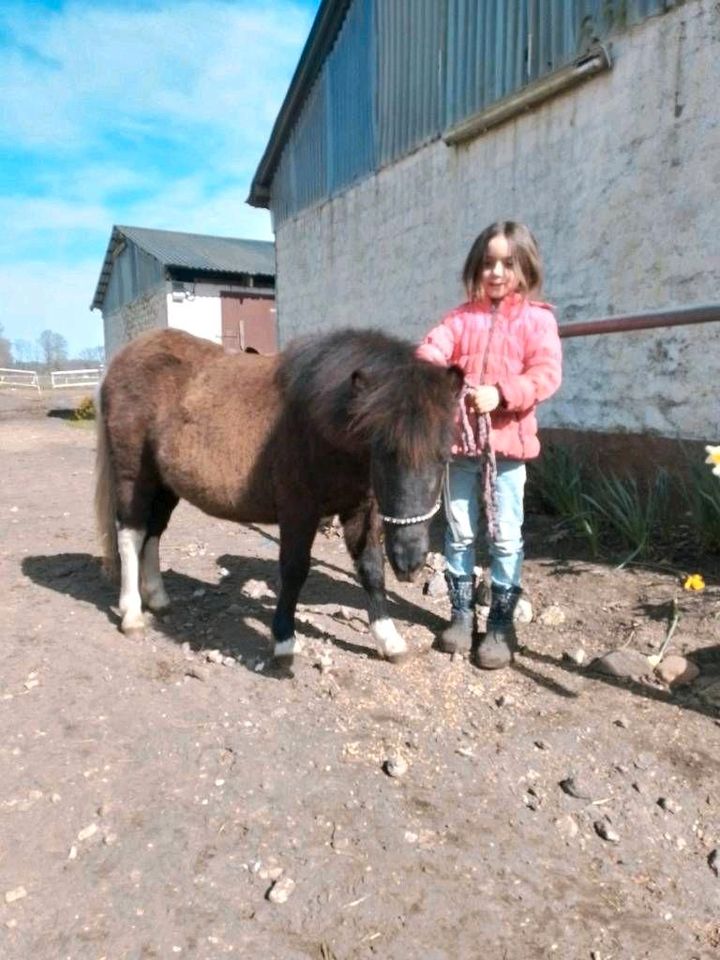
[475,429]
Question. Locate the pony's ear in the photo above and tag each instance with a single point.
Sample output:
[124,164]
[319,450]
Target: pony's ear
[359,381]
[457,378]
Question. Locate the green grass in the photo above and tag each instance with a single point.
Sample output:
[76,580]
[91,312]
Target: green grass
[619,516]
[559,484]
[702,498]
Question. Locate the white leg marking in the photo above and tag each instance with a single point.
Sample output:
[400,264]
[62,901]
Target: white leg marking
[389,641]
[129,546]
[152,587]
[287,648]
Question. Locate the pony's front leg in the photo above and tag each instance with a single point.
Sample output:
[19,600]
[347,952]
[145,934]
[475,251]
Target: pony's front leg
[130,544]
[362,538]
[296,538]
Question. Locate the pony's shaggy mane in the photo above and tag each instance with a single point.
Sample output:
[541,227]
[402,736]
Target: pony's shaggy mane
[374,386]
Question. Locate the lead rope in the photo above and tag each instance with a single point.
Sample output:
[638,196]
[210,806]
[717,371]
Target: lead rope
[476,443]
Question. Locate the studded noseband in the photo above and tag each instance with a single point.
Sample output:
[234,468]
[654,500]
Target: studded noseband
[406,521]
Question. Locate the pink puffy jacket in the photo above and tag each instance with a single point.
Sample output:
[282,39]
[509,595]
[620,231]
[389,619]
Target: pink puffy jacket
[514,347]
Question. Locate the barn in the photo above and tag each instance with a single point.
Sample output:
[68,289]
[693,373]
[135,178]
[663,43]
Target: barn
[411,124]
[220,288]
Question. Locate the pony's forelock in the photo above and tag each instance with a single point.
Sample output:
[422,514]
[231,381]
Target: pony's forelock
[407,414]
[370,386]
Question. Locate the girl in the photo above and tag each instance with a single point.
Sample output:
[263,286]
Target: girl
[508,347]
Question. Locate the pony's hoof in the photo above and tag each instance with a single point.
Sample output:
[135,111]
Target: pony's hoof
[284,663]
[158,609]
[157,603]
[132,625]
[281,665]
[398,658]
[285,650]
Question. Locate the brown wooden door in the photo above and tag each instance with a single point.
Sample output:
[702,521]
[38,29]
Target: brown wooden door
[248,322]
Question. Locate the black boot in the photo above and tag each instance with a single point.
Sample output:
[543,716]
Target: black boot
[457,638]
[497,647]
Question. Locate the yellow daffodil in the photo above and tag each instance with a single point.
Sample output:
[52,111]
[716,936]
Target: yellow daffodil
[713,456]
[694,582]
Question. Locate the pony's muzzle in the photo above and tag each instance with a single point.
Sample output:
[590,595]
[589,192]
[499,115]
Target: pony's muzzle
[406,550]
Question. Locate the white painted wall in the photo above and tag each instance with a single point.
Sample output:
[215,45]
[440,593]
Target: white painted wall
[200,312]
[620,181]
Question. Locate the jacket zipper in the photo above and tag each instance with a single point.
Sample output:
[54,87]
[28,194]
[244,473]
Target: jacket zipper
[520,434]
[493,317]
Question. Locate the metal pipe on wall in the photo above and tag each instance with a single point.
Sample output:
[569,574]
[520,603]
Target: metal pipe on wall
[624,323]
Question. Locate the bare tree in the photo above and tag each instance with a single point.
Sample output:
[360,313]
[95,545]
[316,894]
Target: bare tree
[54,347]
[93,355]
[6,357]
[25,352]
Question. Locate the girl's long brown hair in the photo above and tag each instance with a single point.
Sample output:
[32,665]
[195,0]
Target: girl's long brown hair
[528,265]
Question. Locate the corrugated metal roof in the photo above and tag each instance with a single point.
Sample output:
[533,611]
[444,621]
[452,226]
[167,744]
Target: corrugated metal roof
[190,251]
[200,252]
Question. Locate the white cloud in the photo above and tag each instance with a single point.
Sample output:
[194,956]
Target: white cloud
[79,72]
[27,215]
[44,223]
[186,205]
[146,114]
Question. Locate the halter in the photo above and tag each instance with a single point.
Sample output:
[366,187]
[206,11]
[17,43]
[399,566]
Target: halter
[406,521]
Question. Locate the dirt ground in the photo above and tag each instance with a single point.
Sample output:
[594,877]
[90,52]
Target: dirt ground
[154,793]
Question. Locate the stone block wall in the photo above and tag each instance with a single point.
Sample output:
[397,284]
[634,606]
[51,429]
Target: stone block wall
[148,312]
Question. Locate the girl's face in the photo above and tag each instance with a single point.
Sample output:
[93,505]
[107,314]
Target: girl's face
[498,276]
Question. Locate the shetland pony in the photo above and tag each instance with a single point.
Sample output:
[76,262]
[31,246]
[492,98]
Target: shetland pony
[350,423]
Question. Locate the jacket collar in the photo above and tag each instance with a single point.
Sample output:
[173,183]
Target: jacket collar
[508,307]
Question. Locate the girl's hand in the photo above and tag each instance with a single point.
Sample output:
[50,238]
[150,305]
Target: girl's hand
[485,399]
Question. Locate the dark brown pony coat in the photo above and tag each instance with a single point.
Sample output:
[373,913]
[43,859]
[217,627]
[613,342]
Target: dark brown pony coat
[328,427]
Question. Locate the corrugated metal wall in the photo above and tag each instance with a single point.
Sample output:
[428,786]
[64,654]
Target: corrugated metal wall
[351,119]
[402,71]
[410,75]
[134,273]
[309,154]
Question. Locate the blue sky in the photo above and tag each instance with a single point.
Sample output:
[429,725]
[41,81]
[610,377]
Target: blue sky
[139,113]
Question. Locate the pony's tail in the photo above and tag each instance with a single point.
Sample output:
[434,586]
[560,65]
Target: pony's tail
[105,495]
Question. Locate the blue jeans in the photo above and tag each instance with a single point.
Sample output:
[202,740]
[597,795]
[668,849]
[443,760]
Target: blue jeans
[462,510]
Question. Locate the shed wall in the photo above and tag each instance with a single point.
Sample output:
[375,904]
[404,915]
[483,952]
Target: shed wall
[147,312]
[200,314]
[618,182]
[134,274]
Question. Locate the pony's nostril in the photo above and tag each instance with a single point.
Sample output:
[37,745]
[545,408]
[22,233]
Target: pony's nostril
[407,560]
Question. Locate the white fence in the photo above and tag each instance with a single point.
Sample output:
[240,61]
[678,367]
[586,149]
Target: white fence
[75,378]
[19,378]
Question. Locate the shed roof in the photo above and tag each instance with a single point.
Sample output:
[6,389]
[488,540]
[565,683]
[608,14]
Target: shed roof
[325,29]
[190,251]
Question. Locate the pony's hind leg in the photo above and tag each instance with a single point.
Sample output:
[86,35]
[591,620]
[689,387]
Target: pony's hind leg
[143,510]
[130,544]
[362,538]
[152,588]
